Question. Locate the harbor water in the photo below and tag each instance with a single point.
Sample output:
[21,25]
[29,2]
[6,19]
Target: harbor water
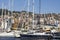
[9,38]
[25,38]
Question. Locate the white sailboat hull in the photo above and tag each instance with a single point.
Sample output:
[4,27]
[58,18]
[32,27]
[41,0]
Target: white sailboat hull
[10,34]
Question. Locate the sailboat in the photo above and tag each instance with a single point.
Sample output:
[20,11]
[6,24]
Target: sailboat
[35,33]
[6,25]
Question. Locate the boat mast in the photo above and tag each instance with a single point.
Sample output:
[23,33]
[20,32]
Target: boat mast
[5,11]
[12,8]
[40,9]
[8,17]
[27,17]
[28,6]
[2,10]
[28,11]
[33,13]
[12,11]
[2,17]
[5,19]
[9,7]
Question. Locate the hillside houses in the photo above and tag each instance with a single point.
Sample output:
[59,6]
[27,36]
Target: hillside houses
[24,19]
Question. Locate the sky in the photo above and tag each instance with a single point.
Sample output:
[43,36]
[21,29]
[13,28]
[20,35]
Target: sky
[50,6]
[46,6]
